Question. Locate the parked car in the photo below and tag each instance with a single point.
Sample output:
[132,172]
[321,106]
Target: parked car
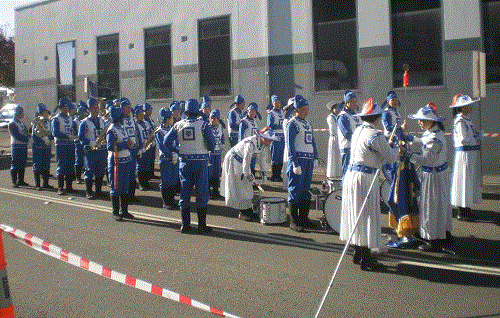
[6,114]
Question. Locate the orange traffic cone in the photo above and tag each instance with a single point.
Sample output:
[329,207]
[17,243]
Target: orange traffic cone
[6,307]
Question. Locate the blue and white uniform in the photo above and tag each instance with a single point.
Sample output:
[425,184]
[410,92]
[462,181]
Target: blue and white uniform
[78,147]
[151,153]
[94,160]
[275,120]
[347,123]
[117,136]
[143,132]
[41,147]
[214,170]
[19,138]
[169,170]
[234,117]
[64,131]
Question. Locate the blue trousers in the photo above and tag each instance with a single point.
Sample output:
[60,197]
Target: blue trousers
[19,157]
[65,160]
[233,139]
[95,163]
[277,150]
[41,159]
[215,168]
[144,162]
[299,185]
[169,173]
[124,169]
[194,172]
[78,154]
[345,156]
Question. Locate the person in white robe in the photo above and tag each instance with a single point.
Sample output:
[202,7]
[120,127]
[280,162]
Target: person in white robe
[369,150]
[435,208]
[237,178]
[333,163]
[466,182]
[289,114]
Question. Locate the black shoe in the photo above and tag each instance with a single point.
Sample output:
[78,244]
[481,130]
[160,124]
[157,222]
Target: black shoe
[185,228]
[432,246]
[115,201]
[127,215]
[61,192]
[356,258]
[244,217]
[204,229]
[186,220]
[88,189]
[368,262]
[296,228]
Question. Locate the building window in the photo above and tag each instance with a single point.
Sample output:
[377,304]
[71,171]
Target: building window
[214,53]
[491,25]
[108,66]
[335,45]
[158,62]
[416,42]
[66,70]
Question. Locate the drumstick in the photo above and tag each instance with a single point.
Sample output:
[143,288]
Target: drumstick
[260,188]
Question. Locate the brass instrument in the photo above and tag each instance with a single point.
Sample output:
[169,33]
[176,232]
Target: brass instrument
[149,141]
[40,129]
[101,139]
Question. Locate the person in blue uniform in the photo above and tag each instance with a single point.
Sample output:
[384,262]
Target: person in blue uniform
[302,159]
[130,126]
[233,119]
[19,138]
[275,119]
[41,147]
[144,156]
[215,168]
[81,114]
[169,165]
[195,139]
[64,131]
[151,152]
[118,144]
[94,155]
[347,123]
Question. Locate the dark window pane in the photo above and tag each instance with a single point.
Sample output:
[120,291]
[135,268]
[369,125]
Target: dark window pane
[491,19]
[66,70]
[158,60]
[416,42]
[214,57]
[335,42]
[108,67]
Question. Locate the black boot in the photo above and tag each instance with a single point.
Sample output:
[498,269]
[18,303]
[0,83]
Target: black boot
[13,174]
[37,181]
[78,174]
[278,172]
[142,180]
[432,246]
[131,191]
[215,189]
[98,188]
[246,215]
[115,199]
[60,185]
[186,220]
[294,218]
[88,189]
[46,185]
[69,184]
[356,258]
[124,203]
[368,262]
[164,196]
[20,181]
[202,221]
[274,177]
[304,220]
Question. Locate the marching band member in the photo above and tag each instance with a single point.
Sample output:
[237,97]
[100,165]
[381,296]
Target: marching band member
[275,119]
[466,183]
[175,108]
[248,127]
[369,150]
[81,113]
[151,152]
[237,177]
[391,119]
[42,147]
[233,119]
[347,122]
[119,164]
[130,127]
[64,131]
[169,166]
[195,139]
[205,109]
[144,156]
[289,114]
[302,159]
[333,163]
[214,170]
[94,155]
[19,138]
[435,208]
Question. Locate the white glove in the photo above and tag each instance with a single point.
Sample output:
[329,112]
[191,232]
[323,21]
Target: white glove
[316,163]
[297,170]
[92,144]
[175,158]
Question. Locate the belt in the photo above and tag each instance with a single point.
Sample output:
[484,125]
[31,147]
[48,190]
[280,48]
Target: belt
[468,148]
[236,157]
[202,156]
[440,168]
[345,151]
[305,155]
[361,168]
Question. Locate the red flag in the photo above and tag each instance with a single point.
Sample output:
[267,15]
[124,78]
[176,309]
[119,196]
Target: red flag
[406,79]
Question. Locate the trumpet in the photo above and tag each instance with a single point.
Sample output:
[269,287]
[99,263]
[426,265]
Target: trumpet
[101,139]
[39,128]
[149,141]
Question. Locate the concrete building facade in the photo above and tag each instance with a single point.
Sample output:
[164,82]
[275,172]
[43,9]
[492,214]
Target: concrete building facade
[259,48]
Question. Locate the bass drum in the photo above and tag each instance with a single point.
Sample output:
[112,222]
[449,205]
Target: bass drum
[385,192]
[333,205]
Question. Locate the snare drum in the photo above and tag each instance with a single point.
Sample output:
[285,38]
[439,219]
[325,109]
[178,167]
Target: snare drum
[273,211]
[332,208]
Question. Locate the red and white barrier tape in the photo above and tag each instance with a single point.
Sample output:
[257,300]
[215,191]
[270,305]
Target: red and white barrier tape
[446,134]
[78,261]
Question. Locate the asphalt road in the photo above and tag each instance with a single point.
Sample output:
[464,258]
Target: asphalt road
[246,269]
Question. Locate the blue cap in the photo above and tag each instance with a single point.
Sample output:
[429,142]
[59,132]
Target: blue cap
[116,100]
[82,103]
[71,106]
[348,95]
[215,113]
[192,107]
[81,109]
[40,109]
[238,99]
[206,99]
[205,105]
[138,109]
[299,102]
[275,98]
[18,110]
[391,95]
[116,114]
[63,102]
[109,104]
[147,106]
[125,102]
[253,106]
[174,105]
[165,113]
[92,102]
[124,99]
[182,105]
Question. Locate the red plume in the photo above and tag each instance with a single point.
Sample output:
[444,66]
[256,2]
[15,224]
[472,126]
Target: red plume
[433,106]
[406,79]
